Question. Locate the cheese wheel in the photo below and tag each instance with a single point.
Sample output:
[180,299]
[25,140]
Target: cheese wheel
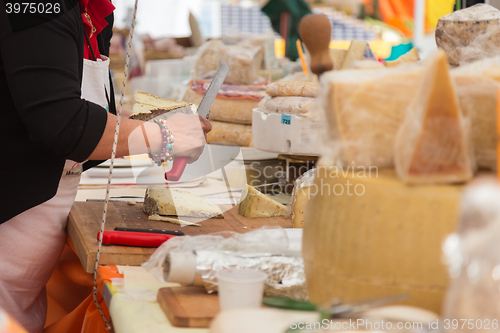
[367,235]
[287,105]
[238,134]
[292,88]
[237,111]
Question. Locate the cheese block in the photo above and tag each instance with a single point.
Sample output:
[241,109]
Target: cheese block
[356,52]
[244,63]
[367,235]
[432,144]
[300,199]
[410,57]
[286,105]
[256,204]
[470,34]
[207,59]
[292,88]
[338,56]
[238,134]
[237,111]
[166,201]
[364,110]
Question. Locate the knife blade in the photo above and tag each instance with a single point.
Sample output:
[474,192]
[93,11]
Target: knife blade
[180,163]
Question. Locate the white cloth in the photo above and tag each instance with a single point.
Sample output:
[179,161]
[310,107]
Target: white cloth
[31,242]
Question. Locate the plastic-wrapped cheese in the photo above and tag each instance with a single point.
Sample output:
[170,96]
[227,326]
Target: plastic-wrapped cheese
[470,34]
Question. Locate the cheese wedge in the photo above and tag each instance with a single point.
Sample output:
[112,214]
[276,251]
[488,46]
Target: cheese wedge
[257,204]
[338,56]
[431,146]
[166,201]
[356,52]
[410,57]
[152,100]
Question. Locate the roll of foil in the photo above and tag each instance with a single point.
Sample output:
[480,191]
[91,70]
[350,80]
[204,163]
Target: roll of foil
[286,275]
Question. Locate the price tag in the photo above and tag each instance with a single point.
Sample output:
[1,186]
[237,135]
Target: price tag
[286,119]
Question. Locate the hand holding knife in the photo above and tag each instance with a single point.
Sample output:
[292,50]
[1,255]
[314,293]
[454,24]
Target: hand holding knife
[180,163]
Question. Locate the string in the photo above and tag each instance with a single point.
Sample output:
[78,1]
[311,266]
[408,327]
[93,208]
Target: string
[113,154]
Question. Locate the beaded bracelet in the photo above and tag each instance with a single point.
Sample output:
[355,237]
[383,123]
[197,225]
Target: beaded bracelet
[167,142]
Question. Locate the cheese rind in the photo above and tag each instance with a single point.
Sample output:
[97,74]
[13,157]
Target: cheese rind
[432,144]
[286,105]
[166,201]
[256,204]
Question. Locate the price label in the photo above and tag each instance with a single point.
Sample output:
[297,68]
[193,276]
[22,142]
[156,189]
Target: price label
[286,119]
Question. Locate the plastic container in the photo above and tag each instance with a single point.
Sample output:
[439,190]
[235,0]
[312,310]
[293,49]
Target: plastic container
[240,288]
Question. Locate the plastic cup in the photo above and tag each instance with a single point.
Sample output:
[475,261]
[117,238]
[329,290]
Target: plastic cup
[240,288]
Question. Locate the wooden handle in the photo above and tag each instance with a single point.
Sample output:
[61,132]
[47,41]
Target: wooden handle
[315,31]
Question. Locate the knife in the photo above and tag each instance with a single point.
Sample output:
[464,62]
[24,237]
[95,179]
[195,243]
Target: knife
[151,231]
[128,238]
[180,163]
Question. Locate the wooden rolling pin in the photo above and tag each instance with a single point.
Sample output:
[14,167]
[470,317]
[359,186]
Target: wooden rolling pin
[315,32]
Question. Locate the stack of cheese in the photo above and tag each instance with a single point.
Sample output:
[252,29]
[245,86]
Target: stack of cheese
[289,97]
[231,117]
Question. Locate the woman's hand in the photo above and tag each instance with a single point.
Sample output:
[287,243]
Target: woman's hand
[190,135]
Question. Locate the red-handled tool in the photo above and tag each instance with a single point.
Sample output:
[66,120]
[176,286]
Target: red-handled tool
[128,238]
[203,110]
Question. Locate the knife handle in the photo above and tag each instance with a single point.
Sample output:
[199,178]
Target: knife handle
[177,169]
[133,238]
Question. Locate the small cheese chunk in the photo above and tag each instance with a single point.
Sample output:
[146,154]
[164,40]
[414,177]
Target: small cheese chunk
[338,56]
[166,201]
[431,146]
[257,204]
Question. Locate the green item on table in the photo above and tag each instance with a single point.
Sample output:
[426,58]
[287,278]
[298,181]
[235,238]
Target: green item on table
[288,303]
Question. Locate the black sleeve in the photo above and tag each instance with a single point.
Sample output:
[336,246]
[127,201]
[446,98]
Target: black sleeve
[43,68]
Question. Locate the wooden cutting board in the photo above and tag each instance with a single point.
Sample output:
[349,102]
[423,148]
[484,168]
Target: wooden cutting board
[85,219]
[188,306]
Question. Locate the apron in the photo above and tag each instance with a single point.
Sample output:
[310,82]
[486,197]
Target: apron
[31,242]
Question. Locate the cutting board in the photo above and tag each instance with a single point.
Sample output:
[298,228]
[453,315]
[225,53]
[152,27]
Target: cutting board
[188,306]
[85,219]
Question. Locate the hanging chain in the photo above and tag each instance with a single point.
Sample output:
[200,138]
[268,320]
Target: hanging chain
[113,154]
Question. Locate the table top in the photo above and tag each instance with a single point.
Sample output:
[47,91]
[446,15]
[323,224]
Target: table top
[85,219]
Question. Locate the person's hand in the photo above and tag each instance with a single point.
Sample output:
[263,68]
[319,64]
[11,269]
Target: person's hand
[190,135]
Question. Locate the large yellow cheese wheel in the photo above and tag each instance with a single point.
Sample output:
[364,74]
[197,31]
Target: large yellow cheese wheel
[369,236]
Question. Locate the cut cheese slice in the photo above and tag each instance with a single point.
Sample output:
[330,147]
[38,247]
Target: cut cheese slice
[410,57]
[166,201]
[356,52]
[152,100]
[257,204]
[431,146]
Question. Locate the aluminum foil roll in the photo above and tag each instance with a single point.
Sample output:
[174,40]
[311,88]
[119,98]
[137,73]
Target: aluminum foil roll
[286,275]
